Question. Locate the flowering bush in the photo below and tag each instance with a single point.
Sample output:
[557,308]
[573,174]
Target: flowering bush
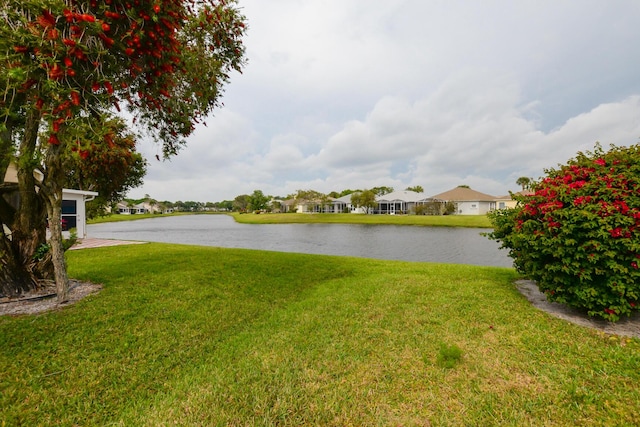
[578,234]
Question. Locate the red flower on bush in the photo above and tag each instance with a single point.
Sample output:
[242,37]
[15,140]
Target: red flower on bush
[581,234]
[616,232]
[577,184]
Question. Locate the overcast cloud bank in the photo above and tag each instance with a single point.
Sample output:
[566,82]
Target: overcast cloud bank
[358,94]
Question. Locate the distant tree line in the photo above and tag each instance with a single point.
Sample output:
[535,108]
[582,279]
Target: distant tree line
[260,202]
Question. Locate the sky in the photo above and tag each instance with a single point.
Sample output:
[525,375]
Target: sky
[356,94]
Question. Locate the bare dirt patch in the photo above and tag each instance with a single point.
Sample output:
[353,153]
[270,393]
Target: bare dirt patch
[625,326]
[44,299]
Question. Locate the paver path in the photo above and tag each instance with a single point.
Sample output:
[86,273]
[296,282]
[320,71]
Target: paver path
[88,243]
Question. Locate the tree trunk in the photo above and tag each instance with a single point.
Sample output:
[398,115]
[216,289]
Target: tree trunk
[54,208]
[22,213]
[29,231]
[19,244]
[52,191]
[14,279]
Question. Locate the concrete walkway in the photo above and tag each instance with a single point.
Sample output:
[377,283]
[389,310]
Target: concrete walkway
[88,243]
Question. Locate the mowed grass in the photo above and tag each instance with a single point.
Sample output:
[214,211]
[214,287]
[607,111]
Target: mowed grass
[134,217]
[478,221]
[184,335]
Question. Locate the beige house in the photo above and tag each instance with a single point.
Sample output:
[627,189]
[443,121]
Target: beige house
[73,204]
[508,202]
[468,201]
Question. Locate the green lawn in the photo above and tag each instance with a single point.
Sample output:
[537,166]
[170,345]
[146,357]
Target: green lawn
[120,217]
[205,336]
[480,221]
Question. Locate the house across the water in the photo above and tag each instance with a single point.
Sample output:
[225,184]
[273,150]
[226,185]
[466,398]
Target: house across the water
[462,200]
[468,201]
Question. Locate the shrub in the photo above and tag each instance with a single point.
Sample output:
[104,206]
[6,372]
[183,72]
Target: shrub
[578,234]
[72,240]
[450,208]
[430,208]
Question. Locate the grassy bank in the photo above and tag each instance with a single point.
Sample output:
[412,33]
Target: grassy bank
[120,217]
[480,221]
[477,221]
[204,336]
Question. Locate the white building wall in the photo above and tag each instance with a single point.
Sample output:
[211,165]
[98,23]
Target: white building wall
[80,215]
[474,208]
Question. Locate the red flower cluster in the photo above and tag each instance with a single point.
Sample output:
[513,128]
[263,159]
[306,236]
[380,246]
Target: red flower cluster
[98,53]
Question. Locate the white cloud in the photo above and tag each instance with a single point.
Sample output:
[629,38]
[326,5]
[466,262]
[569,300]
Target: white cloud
[354,94]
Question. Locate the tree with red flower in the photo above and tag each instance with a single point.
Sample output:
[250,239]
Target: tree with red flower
[65,62]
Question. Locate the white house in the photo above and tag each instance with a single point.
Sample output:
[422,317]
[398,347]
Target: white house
[315,206]
[125,209]
[400,202]
[150,207]
[343,204]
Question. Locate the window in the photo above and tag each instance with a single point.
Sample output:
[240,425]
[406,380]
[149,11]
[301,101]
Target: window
[69,214]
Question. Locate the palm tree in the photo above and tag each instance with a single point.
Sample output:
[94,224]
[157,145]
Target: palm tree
[524,182]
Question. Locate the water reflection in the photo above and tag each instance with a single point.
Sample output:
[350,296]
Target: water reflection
[409,243]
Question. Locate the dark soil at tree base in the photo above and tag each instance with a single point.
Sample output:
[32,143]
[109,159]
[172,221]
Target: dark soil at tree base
[44,299]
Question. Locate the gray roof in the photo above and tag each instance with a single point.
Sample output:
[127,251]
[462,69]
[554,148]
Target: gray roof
[344,199]
[404,195]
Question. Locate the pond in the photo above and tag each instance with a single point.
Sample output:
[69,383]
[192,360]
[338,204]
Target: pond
[390,242]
